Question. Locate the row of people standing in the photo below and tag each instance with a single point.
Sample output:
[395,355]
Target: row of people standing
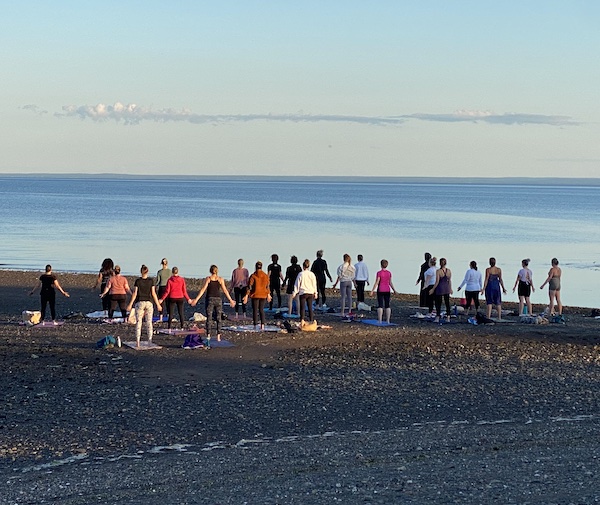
[436,284]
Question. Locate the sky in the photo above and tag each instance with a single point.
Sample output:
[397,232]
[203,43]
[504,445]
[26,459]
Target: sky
[437,88]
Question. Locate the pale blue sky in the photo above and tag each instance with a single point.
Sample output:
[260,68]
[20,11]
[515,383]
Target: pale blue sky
[440,88]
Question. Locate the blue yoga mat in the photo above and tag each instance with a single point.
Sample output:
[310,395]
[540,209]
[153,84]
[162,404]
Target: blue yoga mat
[375,322]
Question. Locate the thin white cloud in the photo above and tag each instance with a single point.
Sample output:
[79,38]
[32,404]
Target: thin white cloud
[135,114]
[132,114]
[490,117]
[35,109]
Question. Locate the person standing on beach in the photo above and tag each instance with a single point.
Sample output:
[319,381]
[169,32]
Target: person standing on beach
[105,273]
[260,293]
[239,287]
[319,268]
[491,287]
[384,286]
[291,274]
[144,293]
[423,297]
[162,277]
[275,279]
[213,287]
[177,294]
[46,284]
[361,278]
[345,276]
[442,290]
[429,278]
[118,288]
[473,283]
[525,282]
[553,281]
[305,287]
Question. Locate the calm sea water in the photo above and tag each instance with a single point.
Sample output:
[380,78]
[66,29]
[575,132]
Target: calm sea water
[73,223]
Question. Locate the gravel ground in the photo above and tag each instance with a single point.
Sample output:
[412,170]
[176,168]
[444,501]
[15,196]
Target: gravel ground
[418,413]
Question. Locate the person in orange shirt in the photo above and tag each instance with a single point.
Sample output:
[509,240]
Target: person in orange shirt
[259,292]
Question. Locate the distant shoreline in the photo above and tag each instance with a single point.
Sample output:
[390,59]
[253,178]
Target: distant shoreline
[370,179]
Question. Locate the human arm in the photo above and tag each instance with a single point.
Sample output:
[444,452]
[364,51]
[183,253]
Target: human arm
[376,285]
[155,298]
[185,293]
[98,281]
[464,281]
[437,281]
[449,275]
[59,287]
[134,296]
[35,288]
[106,289]
[487,275]
[202,291]
[251,282]
[224,288]
[516,282]
[550,276]
[501,281]
[167,291]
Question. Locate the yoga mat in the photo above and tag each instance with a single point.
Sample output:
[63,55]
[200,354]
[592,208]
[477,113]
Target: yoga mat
[249,328]
[375,322]
[223,343]
[144,345]
[166,331]
[48,324]
[98,314]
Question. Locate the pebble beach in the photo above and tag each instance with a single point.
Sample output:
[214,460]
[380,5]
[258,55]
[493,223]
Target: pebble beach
[414,413]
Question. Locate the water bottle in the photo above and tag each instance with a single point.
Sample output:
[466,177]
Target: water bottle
[525,309]
[118,341]
[208,341]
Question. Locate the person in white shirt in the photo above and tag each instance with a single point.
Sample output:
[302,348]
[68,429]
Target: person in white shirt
[306,287]
[361,279]
[473,283]
[429,281]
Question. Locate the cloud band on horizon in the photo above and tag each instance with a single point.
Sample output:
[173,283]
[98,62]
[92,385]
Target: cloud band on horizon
[132,114]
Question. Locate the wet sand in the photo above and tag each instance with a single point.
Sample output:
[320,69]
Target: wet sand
[497,413]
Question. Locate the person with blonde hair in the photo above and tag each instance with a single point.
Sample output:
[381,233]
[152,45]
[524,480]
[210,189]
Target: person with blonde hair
[345,276]
[239,286]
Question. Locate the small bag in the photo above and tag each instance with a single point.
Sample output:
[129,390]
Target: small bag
[31,317]
[308,326]
[106,342]
[192,341]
